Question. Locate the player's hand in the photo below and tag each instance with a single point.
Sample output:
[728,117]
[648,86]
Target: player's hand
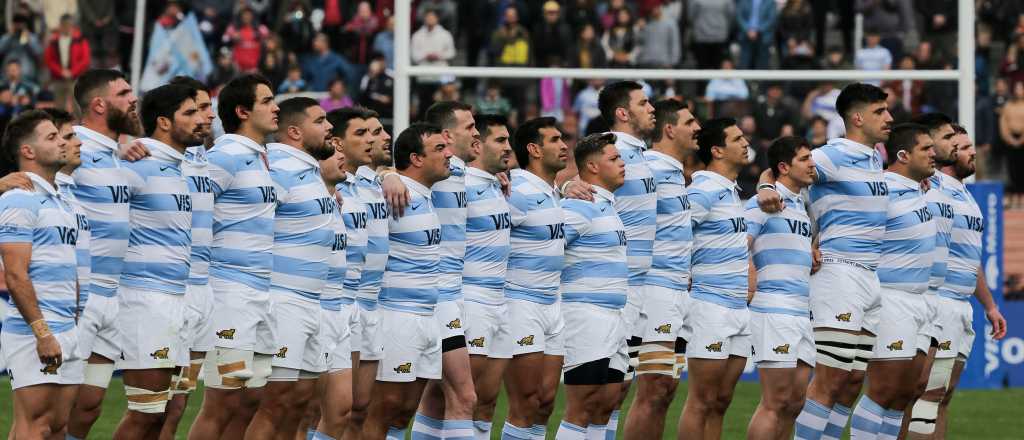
[998,323]
[926,185]
[769,200]
[15,181]
[49,350]
[395,193]
[815,260]
[133,152]
[580,190]
[339,199]
[506,184]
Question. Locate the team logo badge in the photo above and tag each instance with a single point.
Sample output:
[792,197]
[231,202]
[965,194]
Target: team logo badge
[782,349]
[478,342]
[282,353]
[226,334]
[895,346]
[946,345]
[525,341]
[161,353]
[454,324]
[844,317]
[664,328]
[49,369]
[404,368]
[715,347]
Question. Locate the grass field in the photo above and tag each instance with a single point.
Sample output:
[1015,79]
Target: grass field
[975,414]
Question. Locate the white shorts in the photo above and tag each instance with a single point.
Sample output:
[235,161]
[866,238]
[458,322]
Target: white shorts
[635,297]
[591,332]
[534,327]
[683,308]
[198,323]
[241,317]
[150,324]
[411,347]
[297,328]
[451,316]
[844,297]
[903,318]
[931,325]
[718,331]
[369,326]
[660,318]
[487,332]
[23,363]
[777,337]
[956,320]
[98,328]
[336,338]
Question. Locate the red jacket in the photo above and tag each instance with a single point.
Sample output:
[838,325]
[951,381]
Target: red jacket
[79,55]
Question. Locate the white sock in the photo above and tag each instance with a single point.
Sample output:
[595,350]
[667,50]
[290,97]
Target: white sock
[458,430]
[892,421]
[596,432]
[395,433]
[539,432]
[613,426]
[568,431]
[426,428]
[811,422]
[837,419]
[481,430]
[513,432]
[867,420]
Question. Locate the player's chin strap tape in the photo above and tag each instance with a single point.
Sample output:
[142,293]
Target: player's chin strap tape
[98,375]
[146,401]
[924,413]
[836,349]
[656,359]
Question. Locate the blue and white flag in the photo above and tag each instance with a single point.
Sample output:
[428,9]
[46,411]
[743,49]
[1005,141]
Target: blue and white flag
[179,51]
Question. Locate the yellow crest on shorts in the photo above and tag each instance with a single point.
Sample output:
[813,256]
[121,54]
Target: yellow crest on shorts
[946,345]
[282,353]
[478,342]
[525,341]
[404,368]
[782,349]
[161,353]
[664,328]
[49,369]
[895,346]
[226,334]
[844,317]
[715,347]
[454,324]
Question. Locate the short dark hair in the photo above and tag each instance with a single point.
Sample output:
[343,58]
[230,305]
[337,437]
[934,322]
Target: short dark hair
[189,82]
[163,101]
[59,117]
[93,81]
[442,113]
[712,134]
[339,118]
[666,112]
[933,120]
[239,92]
[591,145]
[18,131]
[959,129]
[411,141]
[903,137]
[613,96]
[529,133]
[293,111]
[485,122]
[857,94]
[784,150]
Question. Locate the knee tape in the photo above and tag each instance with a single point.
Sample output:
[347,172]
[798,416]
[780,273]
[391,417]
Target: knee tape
[98,375]
[230,370]
[179,382]
[655,359]
[262,369]
[146,401]
[865,352]
[193,372]
[923,417]
[836,349]
[283,374]
[939,376]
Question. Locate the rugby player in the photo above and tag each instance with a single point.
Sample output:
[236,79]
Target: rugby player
[408,334]
[108,110]
[303,243]
[717,319]
[241,260]
[667,283]
[537,242]
[594,286]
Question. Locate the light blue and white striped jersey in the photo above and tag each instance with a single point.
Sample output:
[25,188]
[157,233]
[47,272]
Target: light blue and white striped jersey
[909,243]
[102,190]
[303,223]
[66,187]
[848,201]
[637,204]
[673,241]
[354,213]
[940,204]
[244,201]
[449,196]
[372,195]
[596,271]
[964,244]
[487,238]
[160,242]
[720,255]
[44,219]
[781,251]
[201,187]
[537,240]
[410,278]
[334,290]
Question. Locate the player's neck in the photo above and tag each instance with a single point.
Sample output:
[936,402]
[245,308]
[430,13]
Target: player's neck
[48,174]
[69,169]
[625,128]
[418,176]
[166,139]
[98,124]
[667,148]
[353,166]
[253,134]
[789,184]
[723,169]
[537,169]
[904,171]
[859,137]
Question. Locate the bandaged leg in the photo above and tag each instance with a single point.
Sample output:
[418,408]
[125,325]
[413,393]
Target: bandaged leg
[925,412]
[836,349]
[98,375]
[230,370]
[655,359]
[146,401]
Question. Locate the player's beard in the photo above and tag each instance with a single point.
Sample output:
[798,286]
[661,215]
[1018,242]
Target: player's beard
[964,170]
[123,122]
[321,150]
[187,138]
[941,162]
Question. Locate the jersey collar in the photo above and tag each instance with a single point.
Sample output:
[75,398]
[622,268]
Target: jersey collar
[161,151]
[668,159]
[482,174]
[196,155]
[626,139]
[601,193]
[64,179]
[457,166]
[415,186]
[41,185]
[787,194]
[903,180]
[302,156]
[536,181]
[718,178]
[96,137]
[857,147]
[251,144]
[365,172]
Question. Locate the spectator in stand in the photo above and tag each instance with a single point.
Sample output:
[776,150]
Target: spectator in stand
[431,45]
[822,102]
[555,94]
[8,107]
[844,10]
[579,13]
[892,19]
[274,60]
[610,15]
[909,89]
[450,90]
[660,48]
[510,46]
[296,29]
[620,42]
[727,89]
[377,88]
[333,21]
[873,56]
[756,20]
[363,25]
[23,91]
[817,133]
[21,45]
[940,24]
[293,83]
[492,103]
[245,37]
[445,10]
[98,26]
[223,71]
[586,104]
[67,56]
[588,53]
[710,22]
[1011,131]
[796,21]
[551,34]
[896,109]
[1013,63]
[925,57]
[337,96]
[212,22]
[384,42]
[835,59]
[324,65]
[775,115]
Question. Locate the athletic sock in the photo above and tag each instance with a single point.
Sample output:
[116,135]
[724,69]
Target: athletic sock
[70,437]
[457,430]
[481,430]
[811,422]
[613,426]
[395,433]
[426,428]
[867,419]
[539,432]
[837,419]
[568,431]
[512,432]
[317,435]
[596,432]
[310,434]
[892,420]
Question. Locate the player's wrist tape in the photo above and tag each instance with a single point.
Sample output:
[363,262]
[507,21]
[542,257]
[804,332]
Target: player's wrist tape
[770,186]
[561,189]
[40,329]
[386,172]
